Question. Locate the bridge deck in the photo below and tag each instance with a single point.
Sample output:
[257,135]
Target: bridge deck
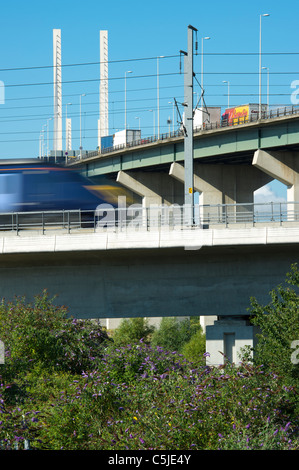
[214,144]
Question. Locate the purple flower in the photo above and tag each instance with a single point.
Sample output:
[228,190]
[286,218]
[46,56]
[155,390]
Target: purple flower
[287,426]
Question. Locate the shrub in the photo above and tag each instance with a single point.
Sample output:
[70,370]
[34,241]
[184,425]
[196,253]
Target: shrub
[173,333]
[42,333]
[195,348]
[132,330]
[279,327]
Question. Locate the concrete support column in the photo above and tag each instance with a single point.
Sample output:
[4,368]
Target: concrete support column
[224,184]
[283,166]
[225,339]
[155,188]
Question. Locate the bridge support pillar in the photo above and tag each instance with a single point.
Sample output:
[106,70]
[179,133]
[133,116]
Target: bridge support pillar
[226,338]
[224,184]
[154,188]
[283,166]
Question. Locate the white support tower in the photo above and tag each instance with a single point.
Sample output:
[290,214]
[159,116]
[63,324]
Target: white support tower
[57,118]
[103,126]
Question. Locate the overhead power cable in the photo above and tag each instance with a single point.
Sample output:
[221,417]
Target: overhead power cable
[134,77]
[138,59]
[89,80]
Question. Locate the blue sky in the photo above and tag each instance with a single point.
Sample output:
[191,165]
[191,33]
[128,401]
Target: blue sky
[138,32]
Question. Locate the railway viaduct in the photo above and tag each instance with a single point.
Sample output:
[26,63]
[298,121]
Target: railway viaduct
[209,270]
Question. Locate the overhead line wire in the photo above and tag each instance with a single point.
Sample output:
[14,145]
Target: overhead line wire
[136,59]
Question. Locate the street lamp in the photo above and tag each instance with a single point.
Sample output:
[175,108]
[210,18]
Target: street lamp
[66,127]
[260,66]
[83,94]
[158,97]
[43,139]
[226,81]
[139,122]
[154,123]
[49,119]
[129,71]
[202,40]
[268,82]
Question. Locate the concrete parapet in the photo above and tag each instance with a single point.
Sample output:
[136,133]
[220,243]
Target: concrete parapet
[156,238]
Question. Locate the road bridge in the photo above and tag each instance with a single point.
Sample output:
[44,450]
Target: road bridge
[230,163]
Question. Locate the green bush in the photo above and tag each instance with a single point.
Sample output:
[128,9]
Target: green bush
[279,327]
[132,330]
[167,405]
[173,334]
[195,348]
[42,333]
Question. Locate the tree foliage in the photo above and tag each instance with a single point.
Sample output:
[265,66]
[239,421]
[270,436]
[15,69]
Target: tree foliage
[132,330]
[42,332]
[176,334]
[278,323]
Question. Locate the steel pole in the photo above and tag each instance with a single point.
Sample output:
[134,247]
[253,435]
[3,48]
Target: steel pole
[188,140]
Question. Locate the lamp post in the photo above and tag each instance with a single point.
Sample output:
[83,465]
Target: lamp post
[202,40]
[158,96]
[268,83]
[154,123]
[43,139]
[260,66]
[226,81]
[139,122]
[66,128]
[83,94]
[129,71]
[49,119]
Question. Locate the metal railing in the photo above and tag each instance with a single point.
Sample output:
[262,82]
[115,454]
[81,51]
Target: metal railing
[204,216]
[136,217]
[271,114]
[66,220]
[250,213]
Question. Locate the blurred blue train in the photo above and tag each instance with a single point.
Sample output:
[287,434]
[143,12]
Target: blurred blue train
[34,185]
